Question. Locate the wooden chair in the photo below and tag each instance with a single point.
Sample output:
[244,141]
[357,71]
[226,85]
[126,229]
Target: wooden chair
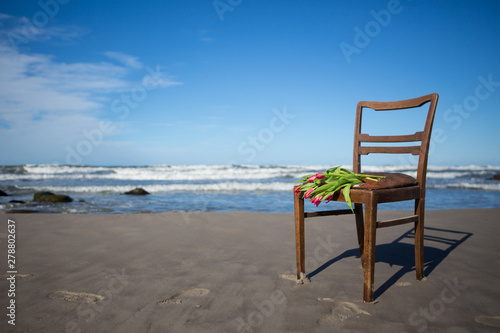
[394,187]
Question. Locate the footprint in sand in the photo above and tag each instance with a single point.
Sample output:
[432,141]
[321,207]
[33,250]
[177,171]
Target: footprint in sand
[403,284]
[293,277]
[493,321]
[75,297]
[17,275]
[187,297]
[340,311]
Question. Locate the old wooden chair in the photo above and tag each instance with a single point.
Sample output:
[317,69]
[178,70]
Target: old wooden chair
[394,187]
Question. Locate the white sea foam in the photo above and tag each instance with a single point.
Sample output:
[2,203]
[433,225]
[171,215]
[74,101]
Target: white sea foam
[157,188]
[220,187]
[469,186]
[162,172]
[165,178]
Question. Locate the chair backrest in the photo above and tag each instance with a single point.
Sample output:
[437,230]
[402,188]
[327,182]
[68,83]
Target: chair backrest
[422,150]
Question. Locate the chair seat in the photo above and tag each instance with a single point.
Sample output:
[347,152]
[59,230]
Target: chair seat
[391,180]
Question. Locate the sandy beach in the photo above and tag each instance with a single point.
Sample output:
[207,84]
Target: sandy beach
[234,272]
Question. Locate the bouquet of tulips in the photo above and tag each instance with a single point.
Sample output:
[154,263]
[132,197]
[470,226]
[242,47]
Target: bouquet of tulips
[322,186]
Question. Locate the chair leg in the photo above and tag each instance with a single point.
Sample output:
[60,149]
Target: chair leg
[369,248]
[419,238]
[299,233]
[360,228]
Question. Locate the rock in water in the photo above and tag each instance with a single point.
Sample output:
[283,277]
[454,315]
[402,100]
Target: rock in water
[20,201]
[51,197]
[21,211]
[3,194]
[496,177]
[137,191]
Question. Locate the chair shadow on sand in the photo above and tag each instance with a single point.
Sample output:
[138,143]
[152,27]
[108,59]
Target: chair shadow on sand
[402,254]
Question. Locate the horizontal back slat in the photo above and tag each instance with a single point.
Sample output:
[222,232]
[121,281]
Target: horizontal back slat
[391,138]
[396,105]
[414,150]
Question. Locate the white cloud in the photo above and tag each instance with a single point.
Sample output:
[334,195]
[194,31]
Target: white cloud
[33,83]
[158,77]
[45,103]
[20,32]
[127,60]
[4,17]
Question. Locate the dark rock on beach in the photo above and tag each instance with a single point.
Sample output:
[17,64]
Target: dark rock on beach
[137,191]
[20,201]
[21,211]
[51,197]
[3,194]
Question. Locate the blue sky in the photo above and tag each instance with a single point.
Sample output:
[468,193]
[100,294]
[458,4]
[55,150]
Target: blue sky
[240,81]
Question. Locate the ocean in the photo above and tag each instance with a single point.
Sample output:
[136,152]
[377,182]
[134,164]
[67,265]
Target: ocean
[212,188]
